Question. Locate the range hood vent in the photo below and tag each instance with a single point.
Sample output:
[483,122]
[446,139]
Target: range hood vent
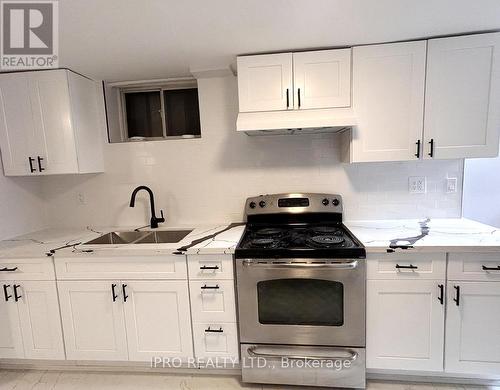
[295,121]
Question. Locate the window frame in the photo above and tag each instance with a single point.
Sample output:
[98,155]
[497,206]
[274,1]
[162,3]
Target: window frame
[147,87]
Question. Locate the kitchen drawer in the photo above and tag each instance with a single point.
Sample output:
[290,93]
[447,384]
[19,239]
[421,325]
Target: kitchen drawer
[27,269]
[90,266]
[210,266]
[213,340]
[212,300]
[474,266]
[397,266]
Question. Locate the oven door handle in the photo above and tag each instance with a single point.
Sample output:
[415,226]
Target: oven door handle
[353,355]
[341,265]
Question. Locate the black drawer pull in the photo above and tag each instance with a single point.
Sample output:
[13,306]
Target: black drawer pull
[457,296]
[209,267]
[417,155]
[298,95]
[125,296]
[497,268]
[6,293]
[16,296]
[209,330]
[205,287]
[5,269]
[113,292]
[441,294]
[411,266]
[287,98]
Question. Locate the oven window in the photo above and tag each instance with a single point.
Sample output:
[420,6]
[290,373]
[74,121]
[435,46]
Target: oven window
[301,302]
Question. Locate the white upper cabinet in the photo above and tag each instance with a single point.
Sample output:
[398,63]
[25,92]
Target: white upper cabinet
[388,101]
[51,122]
[265,82]
[322,79]
[462,103]
[295,81]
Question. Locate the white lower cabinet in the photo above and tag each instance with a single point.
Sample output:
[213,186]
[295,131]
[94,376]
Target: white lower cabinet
[473,328]
[157,318]
[93,322]
[216,340]
[405,324]
[30,325]
[126,320]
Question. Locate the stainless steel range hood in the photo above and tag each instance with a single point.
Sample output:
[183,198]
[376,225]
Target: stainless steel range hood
[295,121]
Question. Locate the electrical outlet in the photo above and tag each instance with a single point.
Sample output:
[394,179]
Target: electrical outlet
[451,185]
[417,185]
[81,198]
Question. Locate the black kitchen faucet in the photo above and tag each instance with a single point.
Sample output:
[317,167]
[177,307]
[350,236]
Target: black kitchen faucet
[154,220]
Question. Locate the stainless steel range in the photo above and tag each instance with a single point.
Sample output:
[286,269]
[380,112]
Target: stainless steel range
[301,293]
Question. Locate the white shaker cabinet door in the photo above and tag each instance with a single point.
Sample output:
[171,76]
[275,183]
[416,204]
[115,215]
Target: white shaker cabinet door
[462,98]
[40,320]
[405,325]
[322,79]
[17,129]
[388,99]
[265,82]
[473,328]
[93,321]
[54,120]
[158,320]
[11,342]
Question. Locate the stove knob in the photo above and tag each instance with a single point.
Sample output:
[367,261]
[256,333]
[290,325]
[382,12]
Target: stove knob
[335,202]
[262,203]
[325,202]
[252,205]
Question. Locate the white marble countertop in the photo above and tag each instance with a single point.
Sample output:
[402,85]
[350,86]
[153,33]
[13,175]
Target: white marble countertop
[450,235]
[38,244]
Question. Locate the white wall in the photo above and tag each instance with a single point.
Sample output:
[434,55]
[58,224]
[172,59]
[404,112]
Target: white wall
[208,179]
[22,208]
[481,188]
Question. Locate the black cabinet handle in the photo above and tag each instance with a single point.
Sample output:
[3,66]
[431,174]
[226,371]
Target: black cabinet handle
[431,142]
[209,267]
[417,155]
[40,159]
[497,268]
[16,296]
[5,269]
[125,296]
[31,160]
[441,294]
[205,287]
[113,292]
[298,95]
[209,330]
[6,293]
[457,296]
[287,98]
[411,266]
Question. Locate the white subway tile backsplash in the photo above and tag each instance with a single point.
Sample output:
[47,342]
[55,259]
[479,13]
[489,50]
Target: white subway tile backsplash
[208,179]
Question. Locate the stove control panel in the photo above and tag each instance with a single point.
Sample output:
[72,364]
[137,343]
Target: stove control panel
[294,203]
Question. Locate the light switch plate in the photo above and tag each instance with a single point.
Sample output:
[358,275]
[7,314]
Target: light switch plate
[417,185]
[451,185]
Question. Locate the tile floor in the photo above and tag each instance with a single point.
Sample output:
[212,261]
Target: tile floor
[77,380]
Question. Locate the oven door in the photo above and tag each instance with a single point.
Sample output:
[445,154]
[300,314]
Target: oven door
[302,301]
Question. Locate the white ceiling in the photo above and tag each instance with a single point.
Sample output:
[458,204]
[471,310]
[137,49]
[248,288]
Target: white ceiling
[145,39]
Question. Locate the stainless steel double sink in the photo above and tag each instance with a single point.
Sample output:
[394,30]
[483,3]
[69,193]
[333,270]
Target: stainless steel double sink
[134,237]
